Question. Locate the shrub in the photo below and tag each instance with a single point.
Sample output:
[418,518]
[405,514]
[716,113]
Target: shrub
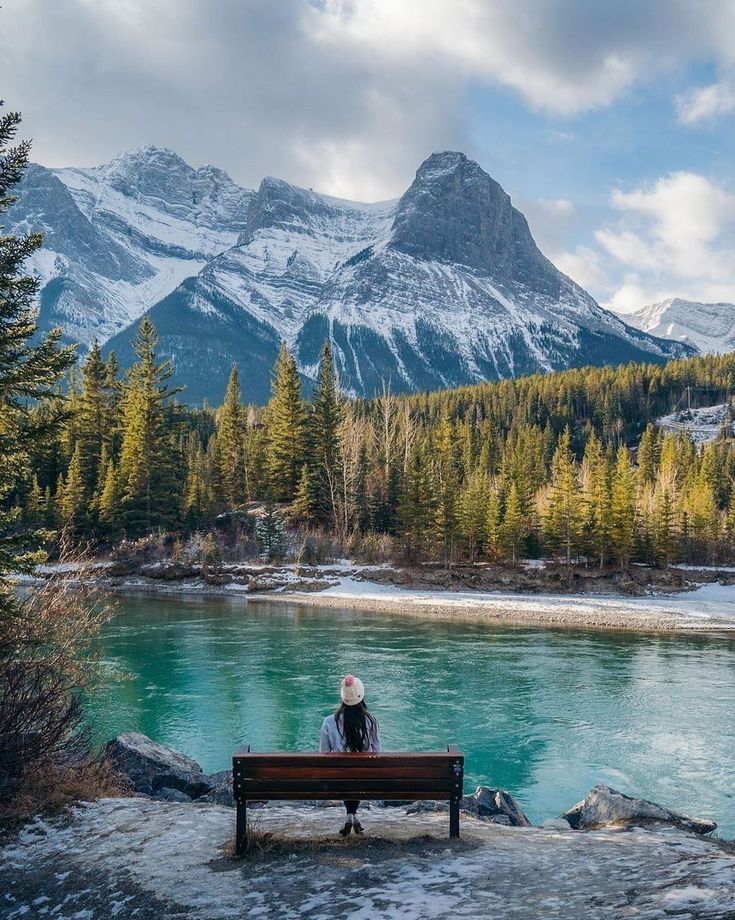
[46,665]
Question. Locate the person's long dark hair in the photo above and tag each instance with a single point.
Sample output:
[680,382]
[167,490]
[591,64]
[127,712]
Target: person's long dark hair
[356,725]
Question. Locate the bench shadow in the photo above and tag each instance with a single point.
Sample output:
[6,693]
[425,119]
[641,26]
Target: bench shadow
[271,847]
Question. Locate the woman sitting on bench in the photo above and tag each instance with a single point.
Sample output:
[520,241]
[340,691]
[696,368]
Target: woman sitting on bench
[351,728]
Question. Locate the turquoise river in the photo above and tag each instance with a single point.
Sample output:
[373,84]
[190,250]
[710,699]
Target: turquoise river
[545,714]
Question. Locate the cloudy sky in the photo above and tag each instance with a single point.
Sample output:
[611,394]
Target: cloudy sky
[610,123]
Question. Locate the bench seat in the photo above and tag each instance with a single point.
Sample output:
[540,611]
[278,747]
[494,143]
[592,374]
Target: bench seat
[396,775]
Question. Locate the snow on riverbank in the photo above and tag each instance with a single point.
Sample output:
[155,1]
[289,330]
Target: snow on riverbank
[129,858]
[712,604]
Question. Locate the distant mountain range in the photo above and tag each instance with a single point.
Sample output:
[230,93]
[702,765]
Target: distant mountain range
[707,327]
[444,286]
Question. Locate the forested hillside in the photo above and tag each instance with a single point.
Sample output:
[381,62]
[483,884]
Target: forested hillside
[567,464]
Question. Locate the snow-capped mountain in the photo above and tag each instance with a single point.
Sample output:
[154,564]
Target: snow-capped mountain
[708,327]
[119,237]
[444,286]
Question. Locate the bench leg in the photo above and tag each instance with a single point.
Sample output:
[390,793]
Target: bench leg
[454,818]
[241,833]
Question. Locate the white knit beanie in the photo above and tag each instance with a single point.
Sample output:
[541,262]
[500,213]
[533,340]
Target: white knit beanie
[352,691]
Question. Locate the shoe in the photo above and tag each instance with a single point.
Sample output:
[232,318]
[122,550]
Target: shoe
[345,831]
[357,827]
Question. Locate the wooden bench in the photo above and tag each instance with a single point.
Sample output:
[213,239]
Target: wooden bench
[391,776]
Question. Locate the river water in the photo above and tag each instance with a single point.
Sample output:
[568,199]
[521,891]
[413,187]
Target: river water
[545,714]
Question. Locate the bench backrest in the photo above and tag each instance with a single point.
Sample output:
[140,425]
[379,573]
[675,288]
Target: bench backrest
[348,776]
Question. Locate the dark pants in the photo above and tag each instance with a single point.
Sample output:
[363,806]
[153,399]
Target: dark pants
[352,805]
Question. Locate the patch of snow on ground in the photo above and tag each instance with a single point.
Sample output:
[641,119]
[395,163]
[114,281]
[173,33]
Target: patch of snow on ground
[707,602]
[702,425]
[161,860]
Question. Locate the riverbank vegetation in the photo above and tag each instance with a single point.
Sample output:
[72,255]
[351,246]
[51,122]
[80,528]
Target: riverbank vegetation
[43,637]
[569,465]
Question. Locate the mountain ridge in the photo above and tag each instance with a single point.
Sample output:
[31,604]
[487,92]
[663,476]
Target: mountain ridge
[440,287]
[707,327]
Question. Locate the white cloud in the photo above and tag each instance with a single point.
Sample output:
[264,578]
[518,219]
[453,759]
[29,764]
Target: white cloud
[562,56]
[584,266]
[675,237]
[706,103]
[344,95]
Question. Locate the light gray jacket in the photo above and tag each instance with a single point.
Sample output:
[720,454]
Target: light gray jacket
[331,738]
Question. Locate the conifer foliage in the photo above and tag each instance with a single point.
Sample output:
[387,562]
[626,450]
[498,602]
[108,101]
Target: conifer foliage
[568,465]
[39,677]
[148,477]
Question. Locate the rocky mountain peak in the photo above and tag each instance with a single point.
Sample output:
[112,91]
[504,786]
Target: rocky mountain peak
[455,212]
[709,327]
[150,171]
[160,178]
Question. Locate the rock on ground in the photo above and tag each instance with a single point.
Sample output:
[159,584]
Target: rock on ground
[497,806]
[142,858]
[604,806]
[140,761]
[494,805]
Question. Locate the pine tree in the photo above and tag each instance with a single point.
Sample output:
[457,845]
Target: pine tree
[324,441]
[113,394]
[50,517]
[286,420]
[29,370]
[564,512]
[231,472]
[472,513]
[649,455]
[196,503]
[512,529]
[94,421]
[73,503]
[35,509]
[445,521]
[271,532]
[110,500]
[623,508]
[666,529]
[597,475]
[304,503]
[494,536]
[416,508]
[149,461]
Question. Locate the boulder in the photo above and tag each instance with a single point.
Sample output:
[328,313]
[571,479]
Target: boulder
[191,783]
[171,795]
[220,789]
[604,806]
[492,805]
[556,824]
[496,806]
[140,761]
[425,805]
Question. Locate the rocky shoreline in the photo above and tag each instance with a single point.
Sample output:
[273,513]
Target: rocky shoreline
[642,600]
[166,852]
[160,772]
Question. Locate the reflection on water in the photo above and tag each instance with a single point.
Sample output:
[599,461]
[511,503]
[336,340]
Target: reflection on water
[545,714]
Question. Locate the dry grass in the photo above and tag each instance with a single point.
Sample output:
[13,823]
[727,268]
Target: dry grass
[52,789]
[272,846]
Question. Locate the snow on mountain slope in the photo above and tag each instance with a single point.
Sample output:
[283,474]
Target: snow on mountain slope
[120,237]
[445,286]
[708,327]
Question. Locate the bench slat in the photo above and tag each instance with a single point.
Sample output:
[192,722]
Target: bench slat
[393,758]
[328,772]
[338,785]
[364,795]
